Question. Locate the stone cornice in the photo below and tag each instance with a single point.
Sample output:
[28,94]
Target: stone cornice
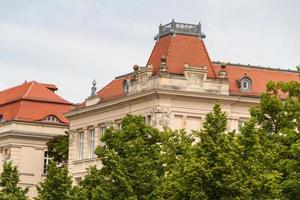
[26,134]
[33,123]
[110,105]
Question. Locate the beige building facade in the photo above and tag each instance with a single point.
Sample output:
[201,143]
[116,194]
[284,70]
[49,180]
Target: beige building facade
[25,145]
[30,115]
[176,89]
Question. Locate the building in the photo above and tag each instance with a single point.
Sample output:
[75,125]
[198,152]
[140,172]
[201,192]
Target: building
[30,115]
[177,88]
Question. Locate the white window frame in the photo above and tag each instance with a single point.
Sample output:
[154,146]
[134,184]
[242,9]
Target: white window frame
[81,145]
[102,131]
[245,81]
[92,138]
[46,162]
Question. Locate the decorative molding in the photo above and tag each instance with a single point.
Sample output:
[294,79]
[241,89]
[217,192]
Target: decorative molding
[161,117]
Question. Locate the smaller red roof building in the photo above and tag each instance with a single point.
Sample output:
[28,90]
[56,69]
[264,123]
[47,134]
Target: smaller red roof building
[33,102]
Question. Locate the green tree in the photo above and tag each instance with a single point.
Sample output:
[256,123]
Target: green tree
[204,164]
[278,114]
[58,148]
[259,152]
[9,180]
[132,164]
[218,155]
[181,179]
[57,185]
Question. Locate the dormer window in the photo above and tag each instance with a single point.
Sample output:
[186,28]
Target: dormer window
[1,119]
[51,118]
[245,84]
[125,86]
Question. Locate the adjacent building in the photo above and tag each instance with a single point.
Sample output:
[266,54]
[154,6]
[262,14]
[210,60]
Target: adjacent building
[176,88]
[30,115]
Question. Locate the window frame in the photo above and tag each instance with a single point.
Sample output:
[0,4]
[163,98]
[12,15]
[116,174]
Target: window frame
[46,162]
[81,145]
[245,80]
[2,118]
[92,142]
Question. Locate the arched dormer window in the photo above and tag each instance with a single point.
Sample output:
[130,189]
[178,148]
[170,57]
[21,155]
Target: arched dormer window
[245,84]
[51,118]
[1,118]
[125,86]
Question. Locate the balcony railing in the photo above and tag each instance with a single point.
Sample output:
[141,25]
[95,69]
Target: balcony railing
[180,28]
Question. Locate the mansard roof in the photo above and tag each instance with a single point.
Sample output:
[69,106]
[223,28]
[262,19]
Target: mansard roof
[33,102]
[259,76]
[184,44]
[179,50]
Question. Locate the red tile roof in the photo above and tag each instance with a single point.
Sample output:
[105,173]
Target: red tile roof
[180,50]
[259,76]
[187,49]
[32,102]
[113,90]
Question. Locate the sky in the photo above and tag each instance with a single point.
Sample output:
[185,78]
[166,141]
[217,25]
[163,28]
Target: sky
[72,42]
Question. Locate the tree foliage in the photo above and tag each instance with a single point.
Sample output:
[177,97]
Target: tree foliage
[57,185]
[262,161]
[278,115]
[9,180]
[58,148]
[132,164]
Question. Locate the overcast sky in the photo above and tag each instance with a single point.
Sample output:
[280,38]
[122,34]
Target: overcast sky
[71,42]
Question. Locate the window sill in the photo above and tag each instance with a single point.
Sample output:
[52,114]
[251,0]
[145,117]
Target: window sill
[86,160]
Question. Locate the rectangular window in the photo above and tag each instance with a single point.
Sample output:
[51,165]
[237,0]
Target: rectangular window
[240,125]
[92,142]
[78,180]
[102,131]
[193,124]
[81,145]
[178,122]
[119,125]
[46,162]
[148,119]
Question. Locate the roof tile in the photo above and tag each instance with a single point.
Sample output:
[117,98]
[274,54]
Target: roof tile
[32,101]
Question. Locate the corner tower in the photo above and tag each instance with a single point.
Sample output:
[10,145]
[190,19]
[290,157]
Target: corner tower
[181,44]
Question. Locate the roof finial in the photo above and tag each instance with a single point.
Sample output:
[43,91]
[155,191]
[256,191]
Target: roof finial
[163,69]
[223,74]
[94,88]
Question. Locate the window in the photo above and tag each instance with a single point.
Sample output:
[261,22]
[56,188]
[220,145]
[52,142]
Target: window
[1,118]
[245,84]
[92,142]
[102,131]
[148,119]
[78,180]
[240,125]
[51,118]
[119,125]
[46,162]
[81,145]
[125,86]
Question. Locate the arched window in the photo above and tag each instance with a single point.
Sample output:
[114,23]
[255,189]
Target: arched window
[245,84]
[1,118]
[51,118]
[125,86]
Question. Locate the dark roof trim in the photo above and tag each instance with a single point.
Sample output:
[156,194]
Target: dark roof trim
[253,66]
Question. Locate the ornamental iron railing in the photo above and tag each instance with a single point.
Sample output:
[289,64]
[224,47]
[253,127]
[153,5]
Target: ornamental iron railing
[180,28]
